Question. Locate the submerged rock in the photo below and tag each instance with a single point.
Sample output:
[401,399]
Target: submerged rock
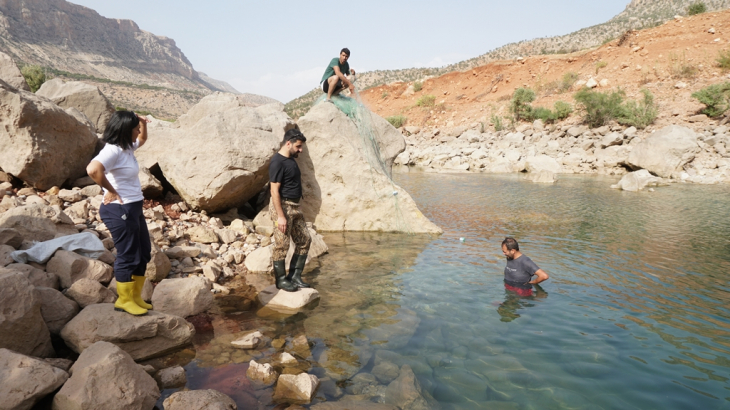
[406,392]
[637,180]
[263,373]
[199,400]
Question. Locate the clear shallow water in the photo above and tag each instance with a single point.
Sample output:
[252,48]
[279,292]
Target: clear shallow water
[635,314]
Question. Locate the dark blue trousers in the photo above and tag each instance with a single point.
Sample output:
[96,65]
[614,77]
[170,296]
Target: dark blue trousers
[131,238]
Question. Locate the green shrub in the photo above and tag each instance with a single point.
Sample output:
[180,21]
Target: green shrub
[34,76]
[724,59]
[497,121]
[397,120]
[384,95]
[545,114]
[426,101]
[696,8]
[639,114]
[599,108]
[600,65]
[417,86]
[563,110]
[568,80]
[716,99]
[520,107]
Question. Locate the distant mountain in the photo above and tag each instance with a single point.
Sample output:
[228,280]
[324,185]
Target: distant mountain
[638,14]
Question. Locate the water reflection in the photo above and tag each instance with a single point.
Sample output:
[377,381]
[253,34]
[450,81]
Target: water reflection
[518,297]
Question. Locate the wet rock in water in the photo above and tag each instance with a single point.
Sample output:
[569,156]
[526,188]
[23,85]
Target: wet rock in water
[259,261]
[106,377]
[199,400]
[249,341]
[86,98]
[87,292]
[171,377]
[38,222]
[360,383]
[406,392]
[277,299]
[386,372]
[11,237]
[295,389]
[142,337]
[71,267]
[397,332]
[25,380]
[664,152]
[22,326]
[637,180]
[182,296]
[543,177]
[285,359]
[56,309]
[352,405]
[262,373]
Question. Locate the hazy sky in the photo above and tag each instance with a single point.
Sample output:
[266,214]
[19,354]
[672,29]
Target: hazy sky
[281,48]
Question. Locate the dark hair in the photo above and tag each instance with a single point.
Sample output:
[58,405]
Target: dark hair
[293,135]
[119,129]
[511,244]
[346,51]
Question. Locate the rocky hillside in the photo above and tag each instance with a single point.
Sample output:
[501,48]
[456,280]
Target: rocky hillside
[638,14]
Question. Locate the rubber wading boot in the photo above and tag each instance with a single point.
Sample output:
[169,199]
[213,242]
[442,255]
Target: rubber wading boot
[280,274]
[296,267]
[137,296]
[125,301]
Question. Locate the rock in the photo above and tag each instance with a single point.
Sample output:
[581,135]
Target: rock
[38,222]
[40,143]
[142,337]
[218,177]
[212,273]
[680,85]
[56,309]
[386,372]
[181,252]
[226,235]
[664,152]
[151,186]
[265,231]
[84,97]
[63,364]
[22,326]
[542,163]
[87,292]
[10,73]
[295,389]
[202,234]
[287,359]
[147,289]
[199,400]
[406,392]
[604,83]
[261,373]
[91,191]
[240,227]
[106,377]
[171,377]
[259,261]
[68,195]
[611,139]
[159,265]
[25,380]
[36,276]
[543,176]
[637,180]
[5,258]
[352,405]
[612,156]
[11,237]
[249,341]
[276,299]
[576,131]
[697,118]
[335,169]
[182,296]
[70,267]
[591,83]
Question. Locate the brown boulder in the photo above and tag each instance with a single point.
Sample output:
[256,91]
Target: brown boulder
[38,222]
[21,323]
[56,309]
[25,380]
[84,97]
[70,267]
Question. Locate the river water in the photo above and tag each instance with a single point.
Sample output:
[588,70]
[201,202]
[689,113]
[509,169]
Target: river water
[635,315]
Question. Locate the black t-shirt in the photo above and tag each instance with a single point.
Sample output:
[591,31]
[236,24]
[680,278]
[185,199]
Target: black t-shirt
[286,172]
[520,270]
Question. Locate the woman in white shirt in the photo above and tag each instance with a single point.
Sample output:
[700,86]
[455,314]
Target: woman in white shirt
[116,170]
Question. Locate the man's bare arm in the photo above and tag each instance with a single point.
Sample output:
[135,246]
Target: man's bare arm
[344,79]
[541,277]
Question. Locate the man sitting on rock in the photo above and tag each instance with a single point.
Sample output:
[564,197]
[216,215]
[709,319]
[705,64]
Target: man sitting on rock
[286,192]
[335,79]
[520,269]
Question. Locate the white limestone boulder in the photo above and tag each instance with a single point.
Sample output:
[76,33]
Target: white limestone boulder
[22,326]
[664,152]
[262,373]
[543,177]
[248,341]
[25,380]
[343,190]
[297,389]
[40,143]
[142,337]
[86,98]
[38,222]
[538,163]
[10,73]
[182,296]
[199,400]
[56,309]
[259,261]
[106,377]
[638,180]
[277,299]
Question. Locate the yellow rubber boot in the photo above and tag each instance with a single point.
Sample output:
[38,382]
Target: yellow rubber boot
[137,296]
[125,301]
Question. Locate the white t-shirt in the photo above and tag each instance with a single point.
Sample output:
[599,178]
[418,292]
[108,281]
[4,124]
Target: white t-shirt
[122,171]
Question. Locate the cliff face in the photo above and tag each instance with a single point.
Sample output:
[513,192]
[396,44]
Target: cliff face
[73,38]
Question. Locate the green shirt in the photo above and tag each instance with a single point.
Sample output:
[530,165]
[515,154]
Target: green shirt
[330,71]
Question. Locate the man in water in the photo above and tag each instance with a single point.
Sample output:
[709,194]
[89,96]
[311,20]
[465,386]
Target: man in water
[286,192]
[335,79]
[520,269]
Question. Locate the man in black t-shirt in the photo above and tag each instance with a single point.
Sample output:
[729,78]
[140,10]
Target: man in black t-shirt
[520,269]
[286,193]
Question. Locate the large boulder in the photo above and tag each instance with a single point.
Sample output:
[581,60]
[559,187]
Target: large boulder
[37,277]
[406,392]
[345,175]
[10,73]
[25,380]
[71,267]
[106,377]
[232,166]
[539,163]
[21,322]
[40,143]
[637,180]
[142,337]
[82,96]
[56,309]
[87,292]
[38,222]
[199,400]
[664,152]
[182,296]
